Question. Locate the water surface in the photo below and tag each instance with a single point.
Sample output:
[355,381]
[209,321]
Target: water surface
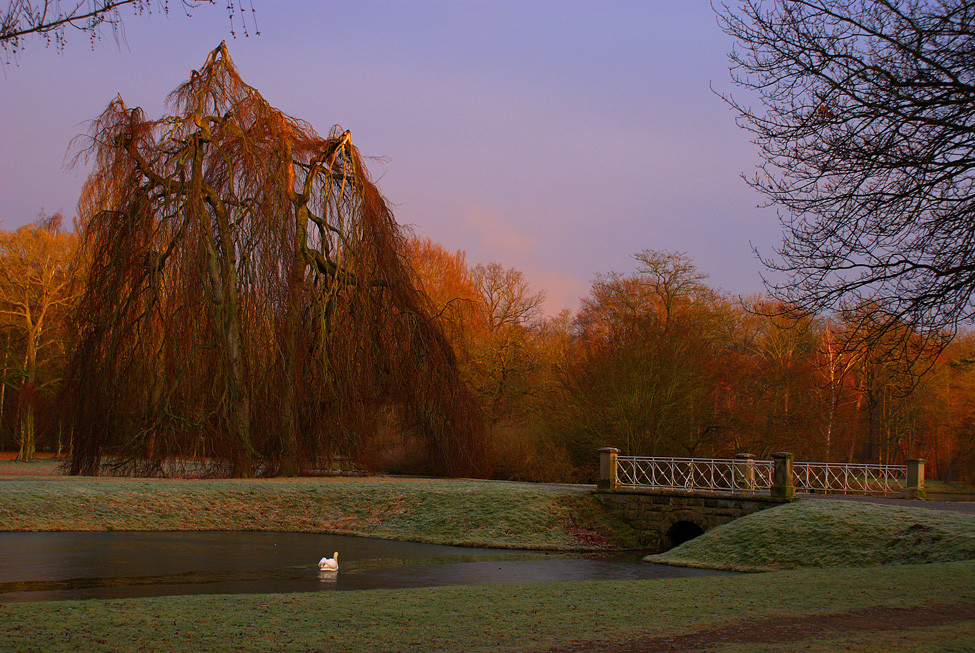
[85,565]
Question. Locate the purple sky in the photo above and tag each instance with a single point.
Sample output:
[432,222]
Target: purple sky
[558,138]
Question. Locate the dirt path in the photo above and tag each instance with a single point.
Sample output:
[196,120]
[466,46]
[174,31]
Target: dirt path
[783,630]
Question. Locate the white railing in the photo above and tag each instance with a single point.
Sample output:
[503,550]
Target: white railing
[710,474]
[749,476]
[849,478]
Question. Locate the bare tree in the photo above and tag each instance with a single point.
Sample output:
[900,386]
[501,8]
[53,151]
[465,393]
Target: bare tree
[836,362]
[663,282]
[247,299]
[506,296]
[671,276]
[35,292]
[645,368]
[49,19]
[867,131]
[501,350]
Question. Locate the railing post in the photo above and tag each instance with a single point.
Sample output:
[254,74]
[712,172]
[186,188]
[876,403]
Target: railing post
[745,471]
[915,479]
[607,469]
[783,485]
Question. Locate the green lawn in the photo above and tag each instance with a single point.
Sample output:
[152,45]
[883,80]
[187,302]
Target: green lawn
[843,556]
[955,487]
[458,512]
[524,617]
[830,533]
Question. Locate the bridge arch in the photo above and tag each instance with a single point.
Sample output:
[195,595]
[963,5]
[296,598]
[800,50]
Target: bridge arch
[679,526]
[682,531]
[666,518]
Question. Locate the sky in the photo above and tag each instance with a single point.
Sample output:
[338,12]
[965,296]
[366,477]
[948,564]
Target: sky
[558,138]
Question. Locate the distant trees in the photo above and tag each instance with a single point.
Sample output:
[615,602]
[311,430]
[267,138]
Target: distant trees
[36,295]
[492,315]
[49,19]
[945,426]
[865,126]
[246,301]
[445,277]
[657,363]
[507,351]
[836,363]
[642,373]
[774,381]
[654,362]
[502,354]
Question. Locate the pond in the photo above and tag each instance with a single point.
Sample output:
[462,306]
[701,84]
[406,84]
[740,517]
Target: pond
[85,565]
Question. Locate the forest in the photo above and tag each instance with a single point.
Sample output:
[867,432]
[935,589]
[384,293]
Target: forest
[235,298]
[655,362]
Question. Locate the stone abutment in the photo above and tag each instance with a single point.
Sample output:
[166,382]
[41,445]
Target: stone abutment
[666,518]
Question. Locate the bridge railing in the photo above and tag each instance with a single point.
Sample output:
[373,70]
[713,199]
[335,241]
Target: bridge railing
[849,478]
[709,474]
[745,475]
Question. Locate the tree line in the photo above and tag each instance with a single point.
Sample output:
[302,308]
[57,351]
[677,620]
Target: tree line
[655,362]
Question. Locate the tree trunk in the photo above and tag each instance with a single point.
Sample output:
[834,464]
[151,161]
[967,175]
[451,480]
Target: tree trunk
[222,272]
[289,417]
[28,395]
[27,444]
[3,384]
[829,423]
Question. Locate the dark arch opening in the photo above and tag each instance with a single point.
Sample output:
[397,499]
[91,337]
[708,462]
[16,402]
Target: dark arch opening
[683,531]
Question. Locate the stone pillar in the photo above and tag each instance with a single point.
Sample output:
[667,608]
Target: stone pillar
[915,479]
[744,471]
[607,469]
[782,483]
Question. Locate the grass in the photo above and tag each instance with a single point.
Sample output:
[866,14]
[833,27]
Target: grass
[830,533]
[47,466]
[457,512]
[842,556]
[957,638]
[947,489]
[520,617]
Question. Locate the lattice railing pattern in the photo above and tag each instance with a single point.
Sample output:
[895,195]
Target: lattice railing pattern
[849,478]
[717,475]
[763,474]
[753,476]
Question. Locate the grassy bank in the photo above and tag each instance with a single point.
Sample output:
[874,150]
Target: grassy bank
[856,556]
[460,512]
[526,617]
[830,533]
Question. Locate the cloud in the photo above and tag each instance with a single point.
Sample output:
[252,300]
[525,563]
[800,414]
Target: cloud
[495,235]
[493,232]
[562,290]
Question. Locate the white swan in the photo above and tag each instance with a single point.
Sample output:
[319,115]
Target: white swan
[329,564]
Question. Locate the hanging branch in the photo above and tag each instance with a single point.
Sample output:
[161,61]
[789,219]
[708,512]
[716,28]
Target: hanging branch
[49,19]
[219,328]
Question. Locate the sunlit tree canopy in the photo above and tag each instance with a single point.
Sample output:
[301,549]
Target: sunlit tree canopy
[247,303]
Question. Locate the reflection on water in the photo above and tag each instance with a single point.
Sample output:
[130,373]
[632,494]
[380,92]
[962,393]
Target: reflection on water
[49,566]
[328,575]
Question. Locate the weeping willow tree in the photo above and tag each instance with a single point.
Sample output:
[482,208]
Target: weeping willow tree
[247,301]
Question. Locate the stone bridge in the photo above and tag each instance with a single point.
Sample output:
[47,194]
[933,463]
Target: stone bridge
[667,518]
[672,500]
